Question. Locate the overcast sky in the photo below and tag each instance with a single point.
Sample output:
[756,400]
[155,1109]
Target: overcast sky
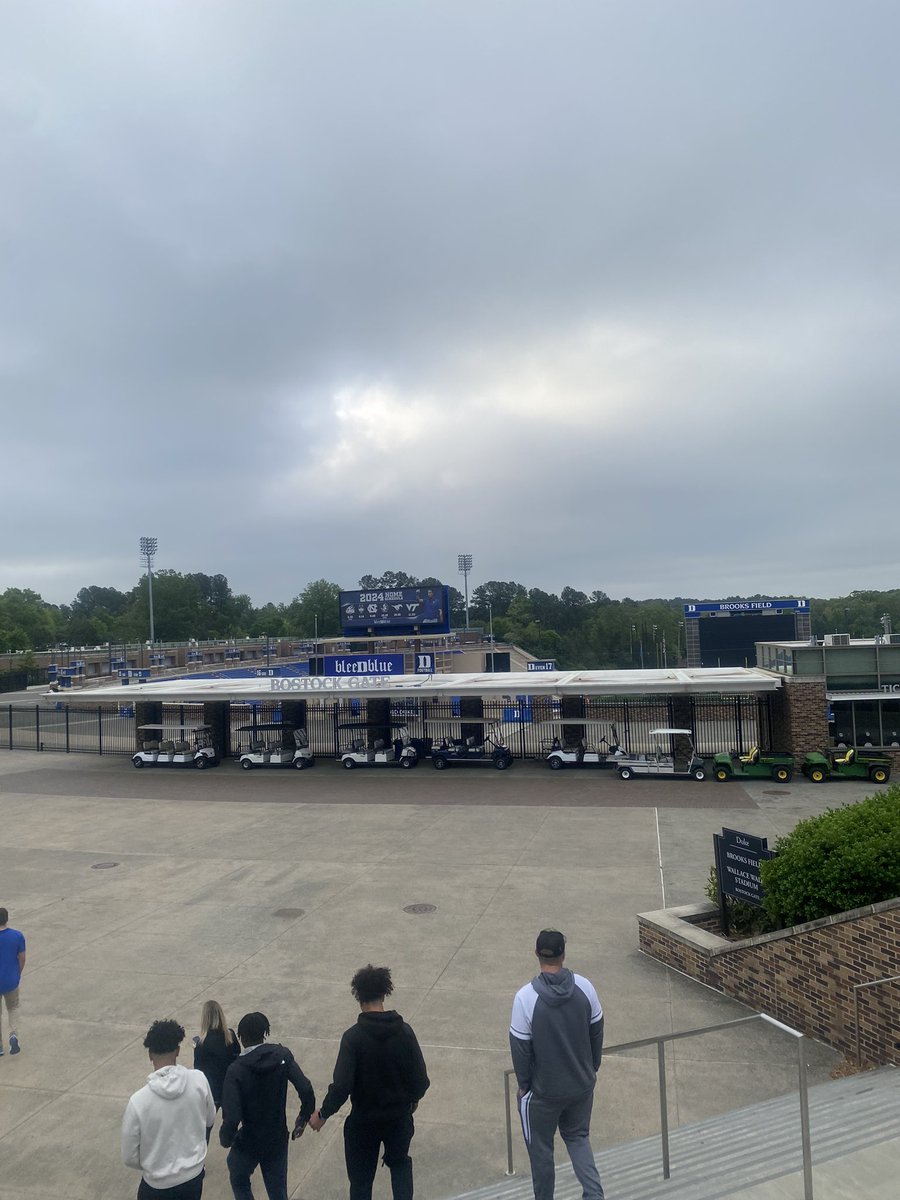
[604,294]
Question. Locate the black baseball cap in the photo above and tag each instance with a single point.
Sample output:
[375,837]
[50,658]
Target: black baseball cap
[550,944]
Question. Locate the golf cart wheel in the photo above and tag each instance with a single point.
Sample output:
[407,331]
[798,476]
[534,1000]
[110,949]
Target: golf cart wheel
[879,775]
[299,763]
[626,773]
[699,773]
[246,764]
[722,774]
[555,763]
[501,763]
[138,762]
[439,763]
[817,774]
[782,774]
[200,762]
[407,762]
[348,764]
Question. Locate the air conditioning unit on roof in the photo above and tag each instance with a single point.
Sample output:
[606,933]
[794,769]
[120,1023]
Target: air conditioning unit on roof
[837,639]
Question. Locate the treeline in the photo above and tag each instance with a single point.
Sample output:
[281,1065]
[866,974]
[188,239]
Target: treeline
[576,628]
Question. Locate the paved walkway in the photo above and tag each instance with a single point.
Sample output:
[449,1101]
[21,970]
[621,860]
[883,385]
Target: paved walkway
[267,891]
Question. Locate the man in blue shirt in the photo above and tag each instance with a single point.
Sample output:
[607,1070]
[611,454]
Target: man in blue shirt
[12,964]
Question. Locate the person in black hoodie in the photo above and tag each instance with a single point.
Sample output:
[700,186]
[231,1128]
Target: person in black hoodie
[254,1128]
[215,1049]
[381,1068]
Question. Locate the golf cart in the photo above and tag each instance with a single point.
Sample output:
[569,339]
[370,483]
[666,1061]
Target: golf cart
[561,754]
[274,753]
[758,764]
[492,751]
[159,751]
[404,752]
[851,764]
[661,764]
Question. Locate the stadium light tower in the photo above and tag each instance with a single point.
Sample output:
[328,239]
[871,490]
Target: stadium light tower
[148,553]
[465,566]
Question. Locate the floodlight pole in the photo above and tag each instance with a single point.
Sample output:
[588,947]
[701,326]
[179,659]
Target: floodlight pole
[148,551]
[491,623]
[464,561]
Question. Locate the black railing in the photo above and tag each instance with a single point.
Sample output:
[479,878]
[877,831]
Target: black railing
[528,727]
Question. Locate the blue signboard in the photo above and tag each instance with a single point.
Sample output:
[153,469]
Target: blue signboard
[408,609]
[745,606]
[542,664]
[424,664]
[363,664]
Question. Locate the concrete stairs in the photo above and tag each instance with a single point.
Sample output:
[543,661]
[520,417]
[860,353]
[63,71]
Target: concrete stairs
[727,1154]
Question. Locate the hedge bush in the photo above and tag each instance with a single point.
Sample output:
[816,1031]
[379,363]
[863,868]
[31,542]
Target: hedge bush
[844,859]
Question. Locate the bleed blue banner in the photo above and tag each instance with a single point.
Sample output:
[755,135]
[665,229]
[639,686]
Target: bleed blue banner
[363,664]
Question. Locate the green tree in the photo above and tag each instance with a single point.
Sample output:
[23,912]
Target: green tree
[317,606]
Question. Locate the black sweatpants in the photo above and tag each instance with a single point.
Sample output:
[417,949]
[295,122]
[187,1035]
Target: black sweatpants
[192,1190]
[364,1136]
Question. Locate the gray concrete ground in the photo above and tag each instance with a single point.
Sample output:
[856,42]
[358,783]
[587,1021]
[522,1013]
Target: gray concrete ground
[267,890]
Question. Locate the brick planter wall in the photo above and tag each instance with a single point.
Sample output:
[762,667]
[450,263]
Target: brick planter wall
[802,976]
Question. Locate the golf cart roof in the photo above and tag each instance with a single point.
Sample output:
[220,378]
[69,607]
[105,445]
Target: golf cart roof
[443,719]
[368,725]
[193,728]
[689,732]
[266,726]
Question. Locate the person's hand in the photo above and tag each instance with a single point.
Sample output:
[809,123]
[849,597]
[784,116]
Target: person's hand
[520,1092]
[297,1131]
[316,1122]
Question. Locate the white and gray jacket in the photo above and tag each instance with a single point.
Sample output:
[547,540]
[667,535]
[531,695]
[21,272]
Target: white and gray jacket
[556,1035]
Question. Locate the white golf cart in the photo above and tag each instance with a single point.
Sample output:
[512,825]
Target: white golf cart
[560,752]
[664,763]
[191,746]
[402,753]
[272,752]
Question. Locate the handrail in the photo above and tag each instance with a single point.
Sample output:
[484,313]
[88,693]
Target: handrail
[857,988]
[660,1042]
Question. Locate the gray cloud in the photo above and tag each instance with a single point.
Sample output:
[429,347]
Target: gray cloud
[604,293]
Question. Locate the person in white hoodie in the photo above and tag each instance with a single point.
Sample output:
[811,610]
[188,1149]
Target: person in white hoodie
[165,1123]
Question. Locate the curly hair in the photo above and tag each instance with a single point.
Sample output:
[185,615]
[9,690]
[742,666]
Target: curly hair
[164,1037]
[371,983]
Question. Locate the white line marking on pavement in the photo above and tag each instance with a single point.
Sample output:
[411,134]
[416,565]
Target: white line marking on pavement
[662,882]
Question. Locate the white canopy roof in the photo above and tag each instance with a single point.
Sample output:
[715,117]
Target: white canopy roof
[671,681]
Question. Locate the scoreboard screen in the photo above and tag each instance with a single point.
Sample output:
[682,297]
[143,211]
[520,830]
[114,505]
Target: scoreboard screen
[730,640]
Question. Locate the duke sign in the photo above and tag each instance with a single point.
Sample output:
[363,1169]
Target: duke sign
[738,856]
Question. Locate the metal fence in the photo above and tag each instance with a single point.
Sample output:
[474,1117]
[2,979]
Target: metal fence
[528,726]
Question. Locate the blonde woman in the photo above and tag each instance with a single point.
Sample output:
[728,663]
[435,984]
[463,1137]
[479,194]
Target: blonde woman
[215,1049]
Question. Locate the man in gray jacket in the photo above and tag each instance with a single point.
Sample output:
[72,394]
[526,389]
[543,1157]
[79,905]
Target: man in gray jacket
[556,1038]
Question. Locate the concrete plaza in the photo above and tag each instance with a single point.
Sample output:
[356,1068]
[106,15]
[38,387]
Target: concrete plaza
[267,890]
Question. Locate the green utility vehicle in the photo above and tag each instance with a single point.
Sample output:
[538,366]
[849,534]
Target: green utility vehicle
[755,765]
[852,764]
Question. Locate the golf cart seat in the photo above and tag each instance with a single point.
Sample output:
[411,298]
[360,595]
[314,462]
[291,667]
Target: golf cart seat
[257,747]
[752,757]
[470,741]
[167,747]
[378,744]
[301,740]
[151,745]
[356,745]
[182,747]
[844,760]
